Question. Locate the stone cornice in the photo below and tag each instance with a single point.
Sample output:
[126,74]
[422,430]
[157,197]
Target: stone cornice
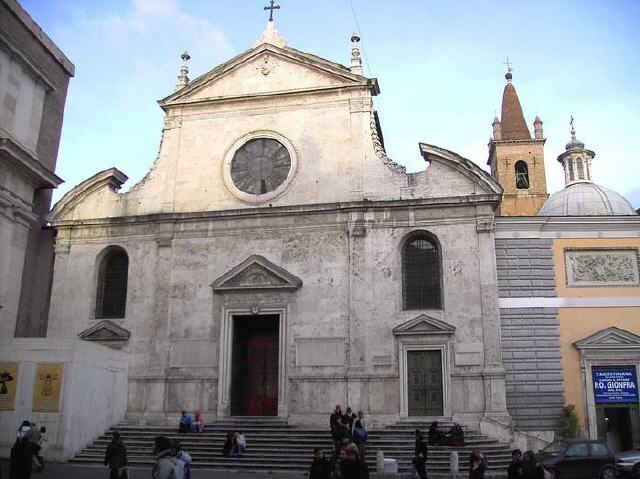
[111,178]
[278,211]
[26,163]
[467,167]
[40,35]
[577,226]
[249,97]
[290,54]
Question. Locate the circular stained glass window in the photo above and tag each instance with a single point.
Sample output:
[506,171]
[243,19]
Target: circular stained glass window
[260,166]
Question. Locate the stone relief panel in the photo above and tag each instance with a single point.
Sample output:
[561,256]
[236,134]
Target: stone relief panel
[610,267]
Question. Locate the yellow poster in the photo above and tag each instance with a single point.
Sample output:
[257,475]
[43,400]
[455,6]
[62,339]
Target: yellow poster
[47,387]
[8,385]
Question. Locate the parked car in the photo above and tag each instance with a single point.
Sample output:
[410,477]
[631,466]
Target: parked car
[578,460]
[628,463]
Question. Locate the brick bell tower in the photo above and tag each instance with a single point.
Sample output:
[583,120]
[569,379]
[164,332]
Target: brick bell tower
[516,159]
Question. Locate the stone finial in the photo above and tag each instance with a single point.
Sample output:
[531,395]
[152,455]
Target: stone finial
[537,128]
[356,60]
[183,79]
[271,36]
[497,129]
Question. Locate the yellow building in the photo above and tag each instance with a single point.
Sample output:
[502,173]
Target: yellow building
[569,278]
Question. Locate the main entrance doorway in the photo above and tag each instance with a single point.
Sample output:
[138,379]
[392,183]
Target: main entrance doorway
[424,381]
[254,375]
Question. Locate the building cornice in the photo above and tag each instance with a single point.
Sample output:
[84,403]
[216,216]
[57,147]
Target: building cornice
[26,163]
[280,211]
[567,226]
[40,35]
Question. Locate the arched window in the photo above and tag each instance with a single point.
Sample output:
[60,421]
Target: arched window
[111,297]
[571,173]
[421,274]
[580,168]
[522,175]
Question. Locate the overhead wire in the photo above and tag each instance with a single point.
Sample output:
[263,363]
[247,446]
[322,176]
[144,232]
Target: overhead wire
[364,50]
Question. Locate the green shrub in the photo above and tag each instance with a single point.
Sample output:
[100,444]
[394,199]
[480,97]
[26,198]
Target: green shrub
[571,422]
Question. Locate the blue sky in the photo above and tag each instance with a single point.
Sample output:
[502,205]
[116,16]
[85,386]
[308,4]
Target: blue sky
[439,64]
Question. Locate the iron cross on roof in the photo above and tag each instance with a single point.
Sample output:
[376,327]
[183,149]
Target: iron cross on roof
[272,8]
[508,63]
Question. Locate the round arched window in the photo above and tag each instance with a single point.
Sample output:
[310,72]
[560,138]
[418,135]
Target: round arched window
[260,166]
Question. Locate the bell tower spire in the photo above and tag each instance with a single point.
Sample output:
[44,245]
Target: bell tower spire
[516,159]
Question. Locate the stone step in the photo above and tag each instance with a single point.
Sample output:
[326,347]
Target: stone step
[277,446]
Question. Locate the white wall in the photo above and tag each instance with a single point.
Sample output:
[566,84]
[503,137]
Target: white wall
[21,101]
[93,396]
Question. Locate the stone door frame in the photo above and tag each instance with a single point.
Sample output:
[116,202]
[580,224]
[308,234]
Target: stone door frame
[226,355]
[609,347]
[424,333]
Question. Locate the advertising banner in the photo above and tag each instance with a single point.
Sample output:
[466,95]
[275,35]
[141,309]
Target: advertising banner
[8,385]
[619,385]
[47,387]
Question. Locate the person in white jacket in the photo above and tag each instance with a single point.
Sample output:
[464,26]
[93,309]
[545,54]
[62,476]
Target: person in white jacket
[184,457]
[166,466]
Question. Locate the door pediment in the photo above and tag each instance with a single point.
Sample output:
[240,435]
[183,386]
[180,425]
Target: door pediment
[423,325]
[105,331]
[610,338]
[256,273]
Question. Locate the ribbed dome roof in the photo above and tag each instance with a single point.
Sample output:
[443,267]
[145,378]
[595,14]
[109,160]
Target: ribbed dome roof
[586,199]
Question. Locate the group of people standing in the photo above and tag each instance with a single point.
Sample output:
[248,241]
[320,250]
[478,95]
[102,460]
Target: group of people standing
[349,435]
[526,466]
[191,424]
[27,452]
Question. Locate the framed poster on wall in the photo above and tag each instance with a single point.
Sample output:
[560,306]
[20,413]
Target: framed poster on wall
[8,385]
[47,387]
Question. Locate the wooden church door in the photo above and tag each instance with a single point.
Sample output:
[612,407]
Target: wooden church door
[260,392]
[424,383]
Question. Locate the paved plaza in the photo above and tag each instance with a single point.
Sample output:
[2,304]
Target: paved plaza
[74,471]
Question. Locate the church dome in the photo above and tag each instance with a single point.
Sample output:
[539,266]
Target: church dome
[586,199]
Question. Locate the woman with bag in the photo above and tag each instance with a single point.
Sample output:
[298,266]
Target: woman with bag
[360,435]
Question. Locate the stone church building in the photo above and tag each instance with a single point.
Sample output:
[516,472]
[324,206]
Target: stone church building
[275,262]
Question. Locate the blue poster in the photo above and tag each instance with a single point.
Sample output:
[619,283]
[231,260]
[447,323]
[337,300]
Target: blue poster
[615,385]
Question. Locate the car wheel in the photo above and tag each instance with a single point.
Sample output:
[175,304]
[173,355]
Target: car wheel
[608,473]
[635,472]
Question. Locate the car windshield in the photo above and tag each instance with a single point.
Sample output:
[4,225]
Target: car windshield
[555,447]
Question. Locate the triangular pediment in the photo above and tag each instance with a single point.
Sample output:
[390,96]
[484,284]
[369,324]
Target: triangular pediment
[105,331]
[256,273]
[424,324]
[264,70]
[610,338]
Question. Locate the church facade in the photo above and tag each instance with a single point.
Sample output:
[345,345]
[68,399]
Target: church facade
[275,262]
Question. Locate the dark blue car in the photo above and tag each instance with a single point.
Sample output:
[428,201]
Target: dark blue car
[578,460]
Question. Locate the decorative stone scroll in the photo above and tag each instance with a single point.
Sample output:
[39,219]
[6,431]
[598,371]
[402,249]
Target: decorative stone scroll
[602,267]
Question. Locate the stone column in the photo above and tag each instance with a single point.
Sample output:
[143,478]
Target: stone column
[61,248]
[14,229]
[493,373]
[356,346]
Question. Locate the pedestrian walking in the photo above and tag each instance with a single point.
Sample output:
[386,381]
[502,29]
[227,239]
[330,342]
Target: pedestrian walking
[320,466]
[335,425]
[167,466]
[116,458]
[516,468]
[477,465]
[185,457]
[20,459]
